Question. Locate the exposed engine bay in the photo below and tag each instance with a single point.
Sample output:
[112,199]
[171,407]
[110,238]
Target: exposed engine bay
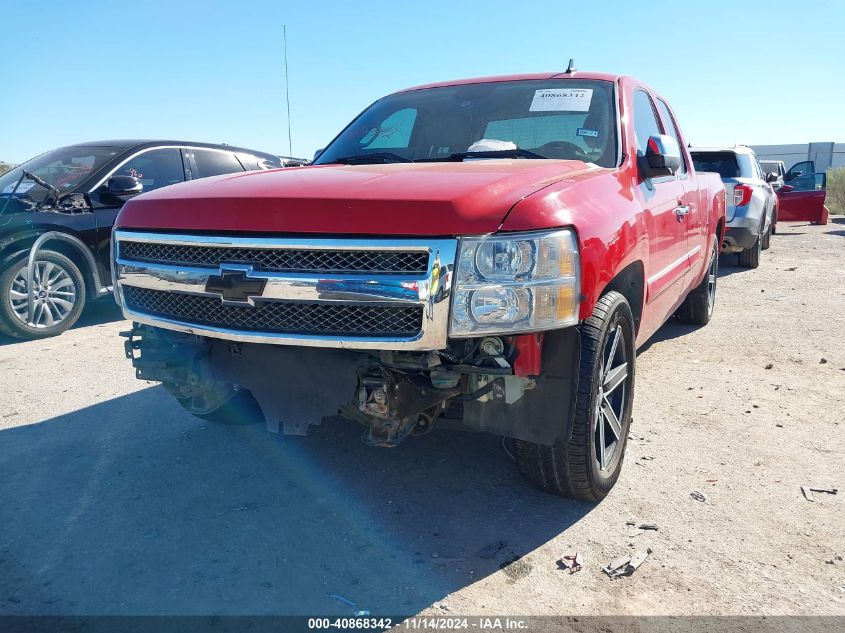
[472,384]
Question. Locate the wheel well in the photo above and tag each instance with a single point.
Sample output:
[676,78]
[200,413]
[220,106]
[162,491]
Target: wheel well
[630,283]
[21,249]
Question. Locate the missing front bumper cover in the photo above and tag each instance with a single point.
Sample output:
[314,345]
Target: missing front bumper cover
[391,404]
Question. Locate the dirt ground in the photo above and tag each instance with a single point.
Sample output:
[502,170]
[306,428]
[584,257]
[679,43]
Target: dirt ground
[114,501]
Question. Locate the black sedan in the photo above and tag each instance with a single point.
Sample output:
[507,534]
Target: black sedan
[72,195]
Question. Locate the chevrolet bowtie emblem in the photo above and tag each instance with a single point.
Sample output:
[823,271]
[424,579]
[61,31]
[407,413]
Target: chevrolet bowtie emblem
[235,286]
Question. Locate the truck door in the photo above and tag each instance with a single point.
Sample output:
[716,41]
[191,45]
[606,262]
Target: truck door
[801,198]
[695,219]
[665,208]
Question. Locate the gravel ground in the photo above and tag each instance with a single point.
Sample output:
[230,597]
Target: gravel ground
[114,501]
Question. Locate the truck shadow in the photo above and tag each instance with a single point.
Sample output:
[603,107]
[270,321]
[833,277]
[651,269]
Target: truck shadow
[132,506]
[673,328]
[670,330]
[98,312]
[729,265]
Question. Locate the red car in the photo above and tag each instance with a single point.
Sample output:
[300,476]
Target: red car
[800,191]
[483,253]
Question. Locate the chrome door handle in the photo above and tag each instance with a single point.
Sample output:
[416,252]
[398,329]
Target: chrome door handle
[681,211]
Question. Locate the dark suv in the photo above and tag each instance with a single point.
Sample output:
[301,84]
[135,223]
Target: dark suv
[67,200]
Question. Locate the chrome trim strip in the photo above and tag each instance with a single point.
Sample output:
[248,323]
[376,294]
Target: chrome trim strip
[667,269]
[290,243]
[281,286]
[431,290]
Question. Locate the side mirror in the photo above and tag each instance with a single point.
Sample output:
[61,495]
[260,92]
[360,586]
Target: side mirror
[662,156]
[786,189]
[122,186]
[317,154]
[771,177]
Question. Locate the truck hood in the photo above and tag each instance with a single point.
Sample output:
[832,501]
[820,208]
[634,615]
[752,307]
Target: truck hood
[434,199]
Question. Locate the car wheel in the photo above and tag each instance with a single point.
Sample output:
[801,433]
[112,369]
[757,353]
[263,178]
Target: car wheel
[750,257]
[58,297]
[587,466]
[766,240]
[700,302]
[240,410]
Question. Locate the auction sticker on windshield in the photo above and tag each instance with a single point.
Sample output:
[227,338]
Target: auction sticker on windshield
[562,99]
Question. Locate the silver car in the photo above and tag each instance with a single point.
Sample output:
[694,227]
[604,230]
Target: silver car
[750,199]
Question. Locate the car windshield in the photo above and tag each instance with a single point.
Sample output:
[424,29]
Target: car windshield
[562,119]
[62,168]
[769,166]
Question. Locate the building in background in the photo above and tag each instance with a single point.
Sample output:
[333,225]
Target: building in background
[825,155]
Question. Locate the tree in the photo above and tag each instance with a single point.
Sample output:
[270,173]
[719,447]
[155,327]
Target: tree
[835,197]
[4,167]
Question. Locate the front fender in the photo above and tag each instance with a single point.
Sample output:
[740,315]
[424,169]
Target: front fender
[545,414]
[19,244]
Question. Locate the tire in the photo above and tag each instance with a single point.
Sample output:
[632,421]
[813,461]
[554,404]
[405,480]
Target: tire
[573,469]
[240,410]
[750,257]
[58,305]
[700,302]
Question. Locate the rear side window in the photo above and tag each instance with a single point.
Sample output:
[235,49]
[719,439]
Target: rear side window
[645,123]
[672,130]
[747,165]
[253,163]
[723,163]
[214,163]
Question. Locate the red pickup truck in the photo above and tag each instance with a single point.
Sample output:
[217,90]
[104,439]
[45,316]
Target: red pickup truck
[484,254]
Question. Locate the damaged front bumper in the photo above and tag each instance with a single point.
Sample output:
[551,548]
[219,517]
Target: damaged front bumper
[472,383]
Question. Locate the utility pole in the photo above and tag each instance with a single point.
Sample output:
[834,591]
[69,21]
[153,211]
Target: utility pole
[287,86]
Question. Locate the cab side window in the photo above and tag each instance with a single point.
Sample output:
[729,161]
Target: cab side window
[672,130]
[156,168]
[645,121]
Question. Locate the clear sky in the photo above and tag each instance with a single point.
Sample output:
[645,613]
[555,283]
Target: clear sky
[744,72]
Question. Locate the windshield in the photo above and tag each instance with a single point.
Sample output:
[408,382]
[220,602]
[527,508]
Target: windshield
[63,168]
[769,166]
[564,119]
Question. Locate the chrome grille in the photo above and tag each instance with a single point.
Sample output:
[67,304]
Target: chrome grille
[298,260]
[278,317]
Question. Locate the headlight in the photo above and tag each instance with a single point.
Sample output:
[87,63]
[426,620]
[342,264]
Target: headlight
[516,283]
